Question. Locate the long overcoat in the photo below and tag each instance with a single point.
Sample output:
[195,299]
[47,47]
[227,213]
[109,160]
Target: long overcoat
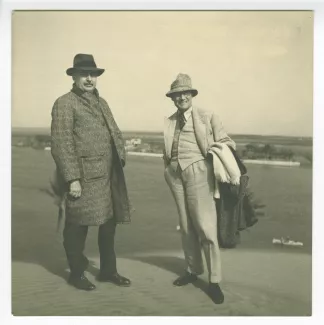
[88,145]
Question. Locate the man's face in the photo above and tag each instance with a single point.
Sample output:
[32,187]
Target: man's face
[86,81]
[182,100]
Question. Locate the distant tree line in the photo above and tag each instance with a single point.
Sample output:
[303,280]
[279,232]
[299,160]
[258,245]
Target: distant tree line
[33,141]
[267,152]
[155,145]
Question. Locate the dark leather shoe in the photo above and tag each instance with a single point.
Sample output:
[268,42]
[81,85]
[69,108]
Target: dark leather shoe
[81,282]
[215,293]
[116,279]
[185,279]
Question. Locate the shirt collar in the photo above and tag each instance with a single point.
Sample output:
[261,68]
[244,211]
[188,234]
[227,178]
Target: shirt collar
[187,113]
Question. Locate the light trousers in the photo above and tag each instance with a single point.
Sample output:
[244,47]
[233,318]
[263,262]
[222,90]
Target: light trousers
[193,191]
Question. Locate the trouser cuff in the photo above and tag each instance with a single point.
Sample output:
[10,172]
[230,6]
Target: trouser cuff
[215,279]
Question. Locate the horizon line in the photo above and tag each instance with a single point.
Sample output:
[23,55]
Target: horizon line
[161,131]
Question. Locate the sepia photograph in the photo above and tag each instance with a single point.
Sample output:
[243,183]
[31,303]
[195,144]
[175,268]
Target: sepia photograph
[162,162]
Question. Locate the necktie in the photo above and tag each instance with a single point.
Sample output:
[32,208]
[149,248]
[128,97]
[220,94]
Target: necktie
[182,120]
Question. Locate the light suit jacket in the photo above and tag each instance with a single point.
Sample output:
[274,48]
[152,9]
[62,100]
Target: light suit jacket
[207,127]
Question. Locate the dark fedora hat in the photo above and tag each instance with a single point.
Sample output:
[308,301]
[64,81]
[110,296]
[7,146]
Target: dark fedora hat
[86,63]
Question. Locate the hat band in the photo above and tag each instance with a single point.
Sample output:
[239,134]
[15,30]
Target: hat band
[183,88]
[80,66]
[86,68]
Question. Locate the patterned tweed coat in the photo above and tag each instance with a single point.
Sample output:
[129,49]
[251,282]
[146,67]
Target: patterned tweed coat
[88,145]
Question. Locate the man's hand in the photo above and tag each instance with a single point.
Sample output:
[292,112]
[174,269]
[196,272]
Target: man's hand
[75,189]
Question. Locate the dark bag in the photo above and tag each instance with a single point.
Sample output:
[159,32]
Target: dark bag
[235,209]
[230,210]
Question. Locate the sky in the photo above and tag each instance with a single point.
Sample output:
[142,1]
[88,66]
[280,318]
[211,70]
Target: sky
[253,68]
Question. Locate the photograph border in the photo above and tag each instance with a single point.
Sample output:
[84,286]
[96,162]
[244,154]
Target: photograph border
[318,161]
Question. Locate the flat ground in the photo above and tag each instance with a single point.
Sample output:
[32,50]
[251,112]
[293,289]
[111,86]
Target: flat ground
[259,278]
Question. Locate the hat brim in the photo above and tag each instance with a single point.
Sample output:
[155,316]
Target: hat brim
[97,71]
[170,93]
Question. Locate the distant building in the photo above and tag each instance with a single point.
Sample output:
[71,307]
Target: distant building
[133,142]
[129,147]
[145,147]
[136,142]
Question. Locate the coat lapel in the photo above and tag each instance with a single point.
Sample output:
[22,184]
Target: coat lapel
[200,126]
[109,119]
[169,128]
[113,129]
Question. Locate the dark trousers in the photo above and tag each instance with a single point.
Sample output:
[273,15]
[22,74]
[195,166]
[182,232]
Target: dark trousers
[74,243]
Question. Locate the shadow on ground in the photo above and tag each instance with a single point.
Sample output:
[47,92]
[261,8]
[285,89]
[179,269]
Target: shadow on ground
[35,238]
[171,264]
[48,254]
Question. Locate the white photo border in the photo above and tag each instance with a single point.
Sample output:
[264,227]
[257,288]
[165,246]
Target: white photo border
[6,8]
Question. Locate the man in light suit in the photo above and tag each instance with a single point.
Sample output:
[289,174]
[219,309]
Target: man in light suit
[188,135]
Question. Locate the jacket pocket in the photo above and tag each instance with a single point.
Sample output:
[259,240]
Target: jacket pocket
[94,168]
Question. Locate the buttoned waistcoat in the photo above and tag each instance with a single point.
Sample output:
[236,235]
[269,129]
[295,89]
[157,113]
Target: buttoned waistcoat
[208,129]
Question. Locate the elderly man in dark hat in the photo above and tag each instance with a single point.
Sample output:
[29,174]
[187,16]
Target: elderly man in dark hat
[188,135]
[89,153]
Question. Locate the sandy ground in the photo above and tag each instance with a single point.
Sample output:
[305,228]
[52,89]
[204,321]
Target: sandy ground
[259,278]
[255,283]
